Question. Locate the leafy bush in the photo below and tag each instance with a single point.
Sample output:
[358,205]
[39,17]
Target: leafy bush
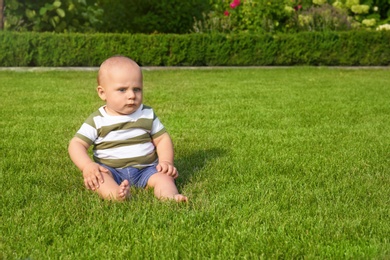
[138,16]
[59,16]
[200,16]
[238,16]
[321,18]
[243,49]
[152,16]
[293,15]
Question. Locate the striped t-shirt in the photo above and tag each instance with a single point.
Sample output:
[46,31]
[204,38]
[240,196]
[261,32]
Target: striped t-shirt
[122,141]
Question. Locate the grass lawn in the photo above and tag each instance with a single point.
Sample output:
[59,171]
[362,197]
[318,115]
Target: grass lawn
[277,163]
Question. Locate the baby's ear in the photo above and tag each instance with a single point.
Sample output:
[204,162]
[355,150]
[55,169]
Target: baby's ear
[101,92]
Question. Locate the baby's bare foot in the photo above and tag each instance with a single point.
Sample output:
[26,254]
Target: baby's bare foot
[180,198]
[124,190]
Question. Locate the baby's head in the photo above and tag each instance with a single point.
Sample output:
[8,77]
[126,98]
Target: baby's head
[120,85]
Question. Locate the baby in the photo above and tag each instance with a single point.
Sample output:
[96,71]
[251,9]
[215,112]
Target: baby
[130,145]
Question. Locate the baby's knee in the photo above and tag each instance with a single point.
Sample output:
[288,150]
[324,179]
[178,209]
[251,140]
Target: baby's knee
[159,178]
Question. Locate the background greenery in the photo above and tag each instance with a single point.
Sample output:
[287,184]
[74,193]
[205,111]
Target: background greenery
[152,16]
[305,48]
[295,15]
[196,32]
[137,16]
[175,16]
[277,163]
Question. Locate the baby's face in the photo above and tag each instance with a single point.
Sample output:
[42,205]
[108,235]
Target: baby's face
[122,90]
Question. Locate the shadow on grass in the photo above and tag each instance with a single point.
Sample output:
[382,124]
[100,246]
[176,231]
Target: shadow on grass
[189,165]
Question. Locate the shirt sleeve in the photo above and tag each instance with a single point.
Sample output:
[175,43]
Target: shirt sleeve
[157,128]
[88,132]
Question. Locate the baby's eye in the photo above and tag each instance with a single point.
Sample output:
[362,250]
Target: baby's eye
[137,89]
[122,90]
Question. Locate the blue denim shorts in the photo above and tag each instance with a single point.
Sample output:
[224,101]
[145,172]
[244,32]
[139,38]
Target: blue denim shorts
[136,177]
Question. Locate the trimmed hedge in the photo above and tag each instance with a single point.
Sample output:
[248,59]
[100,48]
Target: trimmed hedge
[356,48]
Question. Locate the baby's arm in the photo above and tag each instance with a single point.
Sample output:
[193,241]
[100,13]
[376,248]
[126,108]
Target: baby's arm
[92,172]
[164,148]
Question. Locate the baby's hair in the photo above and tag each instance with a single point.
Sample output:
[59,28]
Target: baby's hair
[113,60]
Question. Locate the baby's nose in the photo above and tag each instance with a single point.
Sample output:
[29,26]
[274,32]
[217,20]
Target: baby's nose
[131,94]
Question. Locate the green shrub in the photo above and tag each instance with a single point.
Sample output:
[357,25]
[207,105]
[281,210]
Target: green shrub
[321,18]
[137,16]
[245,16]
[161,16]
[16,49]
[293,15]
[58,16]
[305,48]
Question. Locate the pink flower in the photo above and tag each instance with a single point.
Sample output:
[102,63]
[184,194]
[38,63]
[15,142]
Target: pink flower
[235,3]
[226,13]
[298,7]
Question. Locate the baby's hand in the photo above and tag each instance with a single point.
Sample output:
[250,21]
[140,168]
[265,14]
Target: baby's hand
[93,176]
[168,169]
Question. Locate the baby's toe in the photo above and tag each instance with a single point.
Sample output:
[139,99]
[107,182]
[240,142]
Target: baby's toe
[180,198]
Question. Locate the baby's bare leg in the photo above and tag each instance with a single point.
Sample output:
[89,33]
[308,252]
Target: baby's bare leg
[165,188]
[110,190]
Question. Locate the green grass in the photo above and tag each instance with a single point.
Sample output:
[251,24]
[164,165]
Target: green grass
[277,163]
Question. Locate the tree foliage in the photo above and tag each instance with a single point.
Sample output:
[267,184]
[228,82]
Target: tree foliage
[1,14]
[57,16]
[136,16]
[294,15]
[151,16]
[178,16]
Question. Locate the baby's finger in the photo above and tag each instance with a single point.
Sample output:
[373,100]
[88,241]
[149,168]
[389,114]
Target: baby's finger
[94,183]
[103,169]
[169,172]
[163,168]
[175,173]
[89,184]
[99,178]
[86,184]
